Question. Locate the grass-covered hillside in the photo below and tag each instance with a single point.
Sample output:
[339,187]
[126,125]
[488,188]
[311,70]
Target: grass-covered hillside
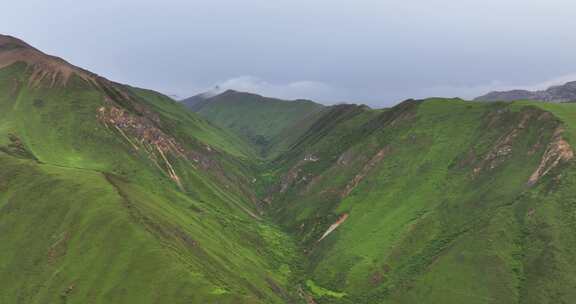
[111,194]
[115,194]
[256,119]
[434,201]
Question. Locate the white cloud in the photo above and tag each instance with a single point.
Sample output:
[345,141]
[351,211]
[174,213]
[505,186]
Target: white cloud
[314,90]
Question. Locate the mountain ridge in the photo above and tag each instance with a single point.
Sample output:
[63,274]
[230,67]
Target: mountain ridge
[257,119]
[116,194]
[557,93]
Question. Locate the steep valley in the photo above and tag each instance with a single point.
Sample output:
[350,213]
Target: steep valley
[116,194]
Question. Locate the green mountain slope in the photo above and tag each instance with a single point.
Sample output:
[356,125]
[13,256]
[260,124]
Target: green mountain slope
[435,201]
[111,194]
[115,194]
[258,120]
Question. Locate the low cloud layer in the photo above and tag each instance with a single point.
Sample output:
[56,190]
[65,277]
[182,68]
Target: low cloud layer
[292,90]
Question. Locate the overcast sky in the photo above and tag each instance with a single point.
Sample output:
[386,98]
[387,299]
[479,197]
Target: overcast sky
[377,52]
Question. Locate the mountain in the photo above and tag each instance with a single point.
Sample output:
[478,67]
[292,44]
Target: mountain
[561,93]
[257,119]
[116,194]
[433,201]
[196,102]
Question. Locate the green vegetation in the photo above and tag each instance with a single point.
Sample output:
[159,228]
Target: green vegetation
[321,292]
[439,205]
[258,120]
[114,194]
[87,217]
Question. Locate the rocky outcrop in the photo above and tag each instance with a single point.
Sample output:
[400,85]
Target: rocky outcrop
[142,134]
[561,93]
[333,227]
[293,175]
[502,149]
[558,151]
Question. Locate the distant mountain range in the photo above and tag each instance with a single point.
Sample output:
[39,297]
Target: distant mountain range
[560,93]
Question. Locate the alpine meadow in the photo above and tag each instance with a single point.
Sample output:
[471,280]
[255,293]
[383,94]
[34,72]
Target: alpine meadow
[115,194]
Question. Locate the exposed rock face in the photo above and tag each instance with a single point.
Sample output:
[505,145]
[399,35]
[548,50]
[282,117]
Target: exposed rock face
[557,152]
[294,173]
[561,93]
[501,151]
[333,227]
[138,127]
[142,133]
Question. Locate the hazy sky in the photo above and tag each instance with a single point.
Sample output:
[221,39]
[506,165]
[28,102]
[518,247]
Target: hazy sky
[372,51]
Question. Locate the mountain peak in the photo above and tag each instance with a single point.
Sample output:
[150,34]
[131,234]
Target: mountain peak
[7,41]
[44,67]
[232,92]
